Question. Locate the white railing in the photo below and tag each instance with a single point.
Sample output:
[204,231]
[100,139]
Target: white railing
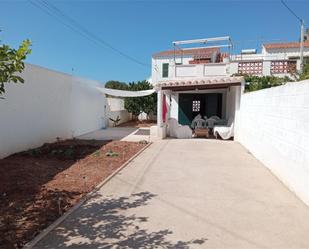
[216,69]
[201,70]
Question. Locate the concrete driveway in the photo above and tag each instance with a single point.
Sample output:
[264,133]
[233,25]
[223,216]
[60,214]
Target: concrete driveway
[188,194]
[132,134]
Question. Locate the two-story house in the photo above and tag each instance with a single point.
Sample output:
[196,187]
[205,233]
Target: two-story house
[277,59]
[192,81]
[200,80]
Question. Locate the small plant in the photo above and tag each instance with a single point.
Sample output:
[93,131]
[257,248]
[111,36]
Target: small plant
[56,152]
[143,142]
[69,152]
[97,153]
[111,154]
[33,152]
[115,121]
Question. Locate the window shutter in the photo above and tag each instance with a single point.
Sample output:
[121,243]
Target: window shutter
[164,70]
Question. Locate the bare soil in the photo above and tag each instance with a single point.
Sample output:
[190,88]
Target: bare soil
[37,186]
[138,124]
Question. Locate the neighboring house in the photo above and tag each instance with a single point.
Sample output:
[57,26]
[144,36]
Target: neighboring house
[194,81]
[278,59]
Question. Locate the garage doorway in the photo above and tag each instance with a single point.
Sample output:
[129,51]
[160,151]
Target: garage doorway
[206,104]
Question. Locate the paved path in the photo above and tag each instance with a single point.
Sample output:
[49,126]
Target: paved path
[132,134]
[188,194]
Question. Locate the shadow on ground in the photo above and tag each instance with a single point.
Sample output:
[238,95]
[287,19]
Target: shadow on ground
[27,205]
[106,223]
[38,185]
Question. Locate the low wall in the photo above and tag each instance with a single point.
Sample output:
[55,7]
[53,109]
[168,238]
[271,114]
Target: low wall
[48,105]
[115,108]
[274,127]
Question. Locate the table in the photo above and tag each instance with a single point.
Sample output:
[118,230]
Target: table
[201,132]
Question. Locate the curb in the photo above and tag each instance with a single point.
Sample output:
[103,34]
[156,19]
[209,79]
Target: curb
[57,222]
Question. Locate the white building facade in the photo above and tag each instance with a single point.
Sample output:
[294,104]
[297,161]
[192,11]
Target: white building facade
[203,80]
[277,59]
[195,81]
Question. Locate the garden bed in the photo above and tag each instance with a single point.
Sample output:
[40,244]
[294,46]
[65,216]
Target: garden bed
[39,185]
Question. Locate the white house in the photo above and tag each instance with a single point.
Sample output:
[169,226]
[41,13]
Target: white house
[194,81]
[278,59]
[200,80]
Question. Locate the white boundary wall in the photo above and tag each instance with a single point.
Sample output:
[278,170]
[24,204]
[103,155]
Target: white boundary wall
[274,127]
[48,105]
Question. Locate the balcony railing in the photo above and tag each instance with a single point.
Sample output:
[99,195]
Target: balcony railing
[201,70]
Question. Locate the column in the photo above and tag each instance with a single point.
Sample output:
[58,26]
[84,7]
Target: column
[159,108]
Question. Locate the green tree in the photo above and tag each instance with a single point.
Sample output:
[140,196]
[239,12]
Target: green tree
[12,63]
[114,84]
[254,83]
[137,105]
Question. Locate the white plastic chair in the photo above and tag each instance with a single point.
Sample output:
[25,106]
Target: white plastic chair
[215,117]
[210,122]
[198,116]
[178,131]
[199,123]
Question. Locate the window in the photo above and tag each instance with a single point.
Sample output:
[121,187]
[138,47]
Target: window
[196,105]
[165,70]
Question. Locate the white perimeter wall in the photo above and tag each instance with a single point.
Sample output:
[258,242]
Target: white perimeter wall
[274,127]
[48,105]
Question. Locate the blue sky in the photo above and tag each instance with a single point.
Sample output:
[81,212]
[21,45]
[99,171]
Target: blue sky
[140,28]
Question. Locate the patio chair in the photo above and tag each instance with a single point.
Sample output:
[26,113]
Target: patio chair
[199,123]
[215,117]
[195,118]
[210,122]
[174,129]
[215,120]
[225,132]
[221,122]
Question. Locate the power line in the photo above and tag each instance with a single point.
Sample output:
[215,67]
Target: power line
[59,20]
[76,27]
[293,13]
[301,35]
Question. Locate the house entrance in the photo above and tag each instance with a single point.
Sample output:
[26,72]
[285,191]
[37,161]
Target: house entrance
[190,105]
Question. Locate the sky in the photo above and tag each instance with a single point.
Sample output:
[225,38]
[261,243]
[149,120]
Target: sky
[138,29]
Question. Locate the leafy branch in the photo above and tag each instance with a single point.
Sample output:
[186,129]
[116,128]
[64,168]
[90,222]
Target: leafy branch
[115,121]
[12,63]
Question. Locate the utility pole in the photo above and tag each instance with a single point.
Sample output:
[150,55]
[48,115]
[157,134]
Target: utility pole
[301,45]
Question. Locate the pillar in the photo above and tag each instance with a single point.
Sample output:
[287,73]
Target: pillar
[159,108]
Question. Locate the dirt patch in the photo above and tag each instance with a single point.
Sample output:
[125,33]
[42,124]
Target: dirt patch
[138,124]
[39,185]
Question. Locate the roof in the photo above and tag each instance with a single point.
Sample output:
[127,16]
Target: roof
[204,82]
[206,52]
[285,45]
